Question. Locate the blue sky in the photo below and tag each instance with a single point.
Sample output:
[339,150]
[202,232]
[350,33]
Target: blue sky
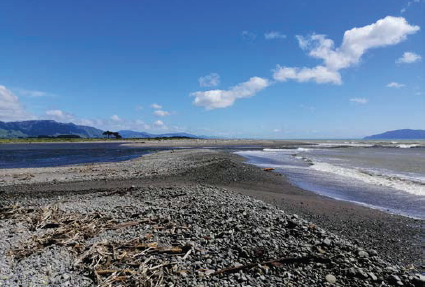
[261,69]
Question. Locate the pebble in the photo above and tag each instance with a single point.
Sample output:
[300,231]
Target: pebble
[241,231]
[327,242]
[330,278]
[373,276]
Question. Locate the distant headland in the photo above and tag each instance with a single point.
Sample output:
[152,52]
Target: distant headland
[404,134]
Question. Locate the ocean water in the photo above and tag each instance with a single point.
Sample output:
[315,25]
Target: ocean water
[387,175]
[58,154]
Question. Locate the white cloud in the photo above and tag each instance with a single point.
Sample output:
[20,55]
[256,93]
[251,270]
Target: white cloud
[156,106]
[160,125]
[395,85]
[274,35]
[359,100]
[141,124]
[215,99]
[59,115]
[320,74]
[139,108]
[11,109]
[249,36]
[277,130]
[84,122]
[210,80]
[116,118]
[161,113]
[357,41]
[387,31]
[408,58]
[31,93]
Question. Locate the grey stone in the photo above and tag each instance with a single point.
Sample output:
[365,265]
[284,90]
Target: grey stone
[330,278]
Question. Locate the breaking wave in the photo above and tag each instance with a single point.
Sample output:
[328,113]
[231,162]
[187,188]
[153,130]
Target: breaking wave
[411,185]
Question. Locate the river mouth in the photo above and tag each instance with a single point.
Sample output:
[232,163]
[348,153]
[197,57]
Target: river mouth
[389,179]
[52,155]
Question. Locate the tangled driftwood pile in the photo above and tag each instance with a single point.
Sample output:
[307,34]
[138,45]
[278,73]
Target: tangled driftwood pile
[126,263]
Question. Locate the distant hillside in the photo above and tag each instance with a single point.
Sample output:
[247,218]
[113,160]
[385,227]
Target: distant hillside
[134,134]
[405,134]
[46,128]
[52,128]
[177,135]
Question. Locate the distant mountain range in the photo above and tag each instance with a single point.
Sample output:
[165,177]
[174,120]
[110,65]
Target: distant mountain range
[46,128]
[404,134]
[52,128]
[133,134]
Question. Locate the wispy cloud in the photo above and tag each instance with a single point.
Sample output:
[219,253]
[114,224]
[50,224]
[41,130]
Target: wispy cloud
[11,109]
[160,125]
[361,101]
[114,123]
[249,36]
[404,9]
[395,85]
[408,58]
[320,74]
[215,99]
[274,35]
[60,115]
[31,93]
[308,108]
[161,113]
[156,106]
[385,32]
[116,118]
[211,80]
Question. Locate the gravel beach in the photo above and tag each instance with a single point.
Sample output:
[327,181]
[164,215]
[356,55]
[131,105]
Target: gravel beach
[193,217]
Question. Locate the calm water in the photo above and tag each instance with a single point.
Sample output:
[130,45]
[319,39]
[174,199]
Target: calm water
[385,175]
[58,154]
[43,155]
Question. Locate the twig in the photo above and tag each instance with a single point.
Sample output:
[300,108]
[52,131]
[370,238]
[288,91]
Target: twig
[187,254]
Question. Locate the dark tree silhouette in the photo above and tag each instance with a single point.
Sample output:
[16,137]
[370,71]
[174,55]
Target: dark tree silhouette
[117,135]
[108,133]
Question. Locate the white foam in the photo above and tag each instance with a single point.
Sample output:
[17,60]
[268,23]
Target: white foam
[303,149]
[416,188]
[275,149]
[407,145]
[346,144]
[281,166]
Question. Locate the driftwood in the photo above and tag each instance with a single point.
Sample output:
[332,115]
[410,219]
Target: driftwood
[268,169]
[287,260]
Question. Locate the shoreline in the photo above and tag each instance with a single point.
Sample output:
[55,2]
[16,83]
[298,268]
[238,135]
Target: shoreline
[358,203]
[395,238]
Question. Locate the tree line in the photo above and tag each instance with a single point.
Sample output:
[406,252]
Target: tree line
[109,134]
